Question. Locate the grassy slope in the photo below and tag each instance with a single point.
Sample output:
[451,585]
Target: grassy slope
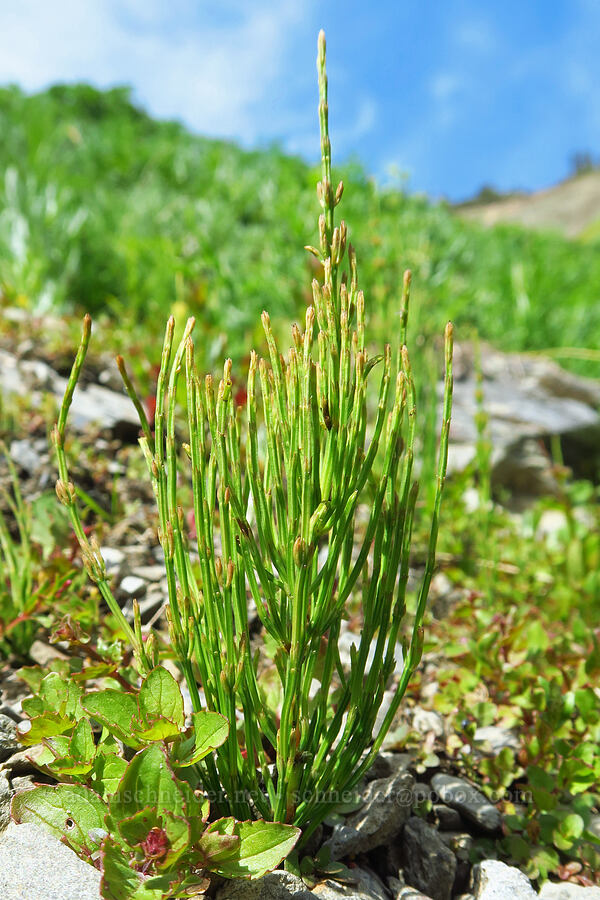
[102,207]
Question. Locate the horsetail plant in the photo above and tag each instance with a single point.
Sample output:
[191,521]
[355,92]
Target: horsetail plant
[280,490]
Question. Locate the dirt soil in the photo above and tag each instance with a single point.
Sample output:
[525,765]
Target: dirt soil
[570,207]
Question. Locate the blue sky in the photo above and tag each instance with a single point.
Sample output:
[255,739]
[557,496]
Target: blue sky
[451,94]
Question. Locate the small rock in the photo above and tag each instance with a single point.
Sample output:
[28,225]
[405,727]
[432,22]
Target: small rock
[494,880]
[387,764]
[276,885]
[22,783]
[386,702]
[5,795]
[24,454]
[9,742]
[395,886]
[367,886]
[42,653]
[148,606]
[387,803]
[428,864]
[426,720]
[567,891]
[448,819]
[132,586]
[18,764]
[459,842]
[348,639]
[25,872]
[471,803]
[113,559]
[149,573]
[409,893]
[421,793]
[498,738]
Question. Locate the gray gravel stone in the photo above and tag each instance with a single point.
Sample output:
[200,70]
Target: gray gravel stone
[498,738]
[113,559]
[387,804]
[276,885]
[9,743]
[459,842]
[132,586]
[25,455]
[426,720]
[5,795]
[494,880]
[18,764]
[471,803]
[566,891]
[449,819]
[368,887]
[428,864]
[34,865]
[150,573]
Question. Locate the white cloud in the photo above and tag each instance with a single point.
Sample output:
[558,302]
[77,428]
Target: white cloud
[444,86]
[475,35]
[214,73]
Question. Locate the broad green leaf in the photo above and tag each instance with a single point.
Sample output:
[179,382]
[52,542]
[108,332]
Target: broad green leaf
[214,848]
[117,710]
[40,727]
[158,887]
[66,765]
[568,832]
[538,778]
[148,781]
[209,730]
[58,745]
[160,697]
[69,811]
[543,799]
[60,695]
[263,845]
[82,746]
[158,730]
[119,880]
[108,770]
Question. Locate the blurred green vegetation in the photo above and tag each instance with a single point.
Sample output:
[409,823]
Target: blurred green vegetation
[103,208]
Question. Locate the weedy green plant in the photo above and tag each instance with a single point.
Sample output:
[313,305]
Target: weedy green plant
[137,817]
[303,503]
[32,584]
[529,664]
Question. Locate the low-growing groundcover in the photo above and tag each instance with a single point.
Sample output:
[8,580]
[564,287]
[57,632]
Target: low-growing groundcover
[278,505]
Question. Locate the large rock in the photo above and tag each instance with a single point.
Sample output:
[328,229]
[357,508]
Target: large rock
[470,803]
[428,864]
[34,865]
[91,403]
[566,891]
[528,400]
[494,880]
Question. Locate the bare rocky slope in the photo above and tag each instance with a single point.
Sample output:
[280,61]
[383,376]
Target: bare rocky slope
[571,207]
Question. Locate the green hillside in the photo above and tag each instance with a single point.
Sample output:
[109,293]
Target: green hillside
[104,208]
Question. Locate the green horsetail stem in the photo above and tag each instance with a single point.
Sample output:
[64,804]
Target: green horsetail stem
[280,489]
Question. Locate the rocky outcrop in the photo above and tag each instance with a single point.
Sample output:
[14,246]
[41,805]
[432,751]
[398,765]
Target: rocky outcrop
[528,400]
